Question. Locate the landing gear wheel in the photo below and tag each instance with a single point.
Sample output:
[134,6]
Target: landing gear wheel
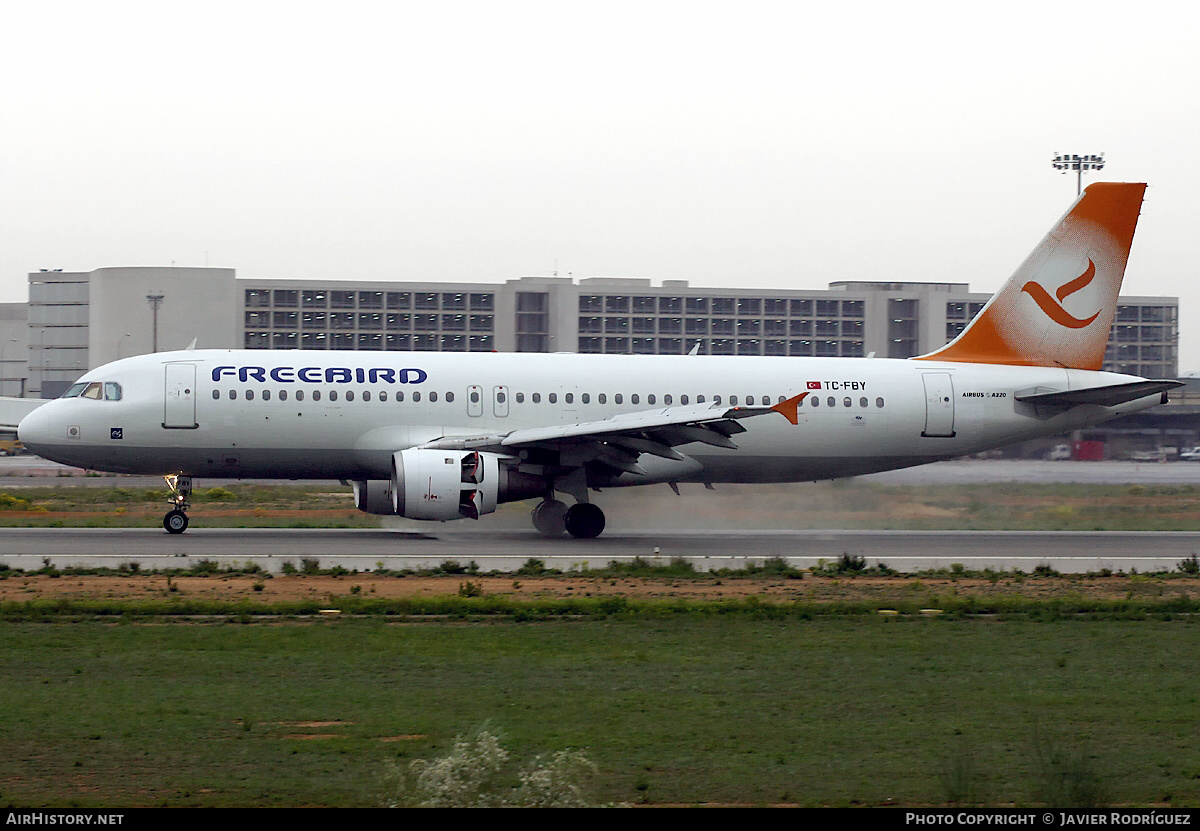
[176,522]
[549,517]
[584,521]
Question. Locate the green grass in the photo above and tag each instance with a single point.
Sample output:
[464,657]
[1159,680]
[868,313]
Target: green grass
[850,710]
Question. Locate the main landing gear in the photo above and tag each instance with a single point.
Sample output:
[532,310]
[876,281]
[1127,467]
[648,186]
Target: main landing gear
[582,520]
[176,519]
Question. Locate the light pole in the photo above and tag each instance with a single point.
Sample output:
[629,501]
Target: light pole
[1065,161]
[155,300]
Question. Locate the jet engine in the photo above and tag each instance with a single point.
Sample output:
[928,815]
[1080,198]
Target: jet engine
[442,485]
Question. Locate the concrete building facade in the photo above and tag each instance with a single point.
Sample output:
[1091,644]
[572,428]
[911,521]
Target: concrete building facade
[78,320]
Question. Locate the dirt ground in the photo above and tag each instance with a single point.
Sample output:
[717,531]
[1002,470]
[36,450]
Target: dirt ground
[812,589]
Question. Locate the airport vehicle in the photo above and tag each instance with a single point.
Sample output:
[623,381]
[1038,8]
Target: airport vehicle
[445,436]
[1059,453]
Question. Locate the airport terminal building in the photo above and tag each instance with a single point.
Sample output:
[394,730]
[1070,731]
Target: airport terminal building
[78,320]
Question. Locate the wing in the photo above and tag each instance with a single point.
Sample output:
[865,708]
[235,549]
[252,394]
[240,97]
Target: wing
[619,441]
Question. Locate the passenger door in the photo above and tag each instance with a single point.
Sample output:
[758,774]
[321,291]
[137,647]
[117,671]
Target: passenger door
[179,397]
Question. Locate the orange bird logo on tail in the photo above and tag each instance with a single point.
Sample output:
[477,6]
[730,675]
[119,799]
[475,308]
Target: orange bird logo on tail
[1055,311]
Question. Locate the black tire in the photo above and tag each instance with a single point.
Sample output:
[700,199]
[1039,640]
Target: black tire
[176,522]
[549,518]
[584,521]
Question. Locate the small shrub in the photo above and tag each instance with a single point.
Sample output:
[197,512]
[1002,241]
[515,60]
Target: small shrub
[1189,566]
[1067,777]
[469,589]
[476,774]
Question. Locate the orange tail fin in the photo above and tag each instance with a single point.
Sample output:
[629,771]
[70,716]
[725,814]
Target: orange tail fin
[1057,309]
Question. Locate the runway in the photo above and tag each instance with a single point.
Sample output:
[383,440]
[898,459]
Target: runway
[505,551]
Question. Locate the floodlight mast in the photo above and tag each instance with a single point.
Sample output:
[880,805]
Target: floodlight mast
[154,300]
[1066,161]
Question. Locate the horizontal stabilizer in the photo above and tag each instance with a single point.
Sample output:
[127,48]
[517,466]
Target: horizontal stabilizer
[1109,396]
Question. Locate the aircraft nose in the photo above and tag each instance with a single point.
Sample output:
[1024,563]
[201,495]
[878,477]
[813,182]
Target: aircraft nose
[34,429]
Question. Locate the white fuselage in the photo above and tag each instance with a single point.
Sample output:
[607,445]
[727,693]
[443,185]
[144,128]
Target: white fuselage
[297,414]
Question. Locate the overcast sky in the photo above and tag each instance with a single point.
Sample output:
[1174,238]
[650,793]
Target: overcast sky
[756,144]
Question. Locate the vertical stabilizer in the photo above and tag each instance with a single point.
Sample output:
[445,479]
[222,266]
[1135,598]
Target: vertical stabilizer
[1057,309]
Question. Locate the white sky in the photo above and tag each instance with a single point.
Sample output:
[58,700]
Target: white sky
[758,144]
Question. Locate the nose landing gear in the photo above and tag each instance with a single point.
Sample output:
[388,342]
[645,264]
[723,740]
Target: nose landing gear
[176,519]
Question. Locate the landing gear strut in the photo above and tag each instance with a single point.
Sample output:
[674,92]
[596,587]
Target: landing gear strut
[176,519]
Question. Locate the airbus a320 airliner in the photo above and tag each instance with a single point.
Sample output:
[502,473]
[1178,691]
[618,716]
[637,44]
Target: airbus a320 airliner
[442,436]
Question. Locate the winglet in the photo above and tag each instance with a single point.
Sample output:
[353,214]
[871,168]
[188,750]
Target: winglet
[788,409]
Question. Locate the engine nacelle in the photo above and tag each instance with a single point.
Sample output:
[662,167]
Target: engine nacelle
[444,484]
[373,496]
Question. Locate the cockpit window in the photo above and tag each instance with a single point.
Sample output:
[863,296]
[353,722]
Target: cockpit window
[94,390]
[74,390]
[112,391]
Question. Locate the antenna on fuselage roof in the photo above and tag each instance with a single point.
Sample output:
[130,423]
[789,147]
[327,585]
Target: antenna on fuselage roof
[695,349]
[191,345]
